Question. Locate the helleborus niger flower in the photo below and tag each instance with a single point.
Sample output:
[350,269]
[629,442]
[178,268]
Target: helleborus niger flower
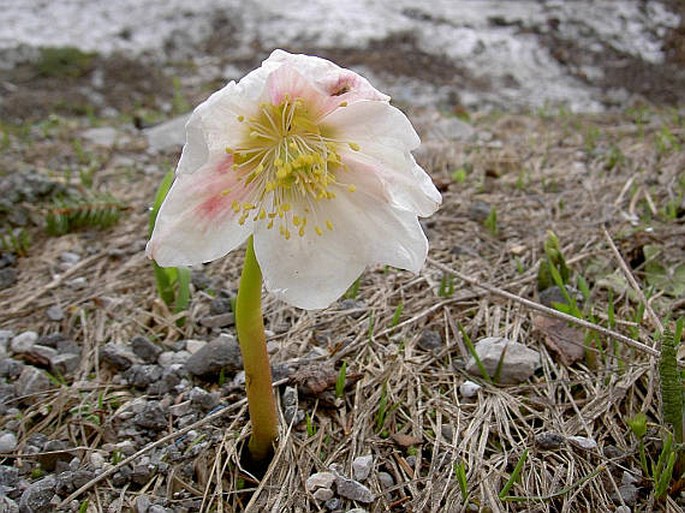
[311,160]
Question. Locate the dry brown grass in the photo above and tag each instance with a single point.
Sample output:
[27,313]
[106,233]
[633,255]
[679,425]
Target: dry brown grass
[542,176]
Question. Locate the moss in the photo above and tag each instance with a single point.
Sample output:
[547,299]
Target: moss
[64,61]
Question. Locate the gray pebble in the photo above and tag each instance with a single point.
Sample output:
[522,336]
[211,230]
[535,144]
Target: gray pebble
[145,350]
[55,313]
[386,480]
[353,490]
[549,441]
[583,442]
[156,508]
[65,363]
[355,307]
[323,494]
[169,358]
[218,321]
[153,417]
[430,341]
[118,356]
[333,504]
[141,376]
[361,467]
[7,505]
[203,400]
[222,353]
[5,337]
[8,277]
[37,497]
[319,480]
[469,389]
[97,460]
[515,361]
[8,442]
[142,504]
[357,510]
[31,381]
[193,346]
[9,477]
[70,258]
[24,342]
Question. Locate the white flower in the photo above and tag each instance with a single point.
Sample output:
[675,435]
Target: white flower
[314,162]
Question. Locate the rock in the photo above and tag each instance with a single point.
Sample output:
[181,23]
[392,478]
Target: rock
[142,376]
[519,362]
[430,340]
[361,467]
[218,321]
[142,504]
[97,460]
[42,354]
[319,480]
[170,135]
[118,356]
[222,353]
[9,477]
[447,432]
[78,283]
[386,480]
[5,337]
[102,135]
[357,510]
[469,389]
[7,505]
[193,346]
[323,494]
[38,496]
[156,508]
[8,277]
[69,258]
[145,350]
[583,442]
[333,504]
[24,342]
[291,412]
[153,417]
[65,363]
[8,442]
[623,509]
[55,313]
[221,304]
[353,490]
[355,307]
[31,381]
[169,358]
[549,441]
[479,211]
[203,400]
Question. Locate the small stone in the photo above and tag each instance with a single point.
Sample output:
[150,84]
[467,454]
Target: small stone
[43,354]
[78,283]
[37,497]
[323,494]
[153,417]
[479,211]
[447,432]
[193,346]
[65,363]
[102,135]
[8,277]
[629,493]
[319,480]
[118,356]
[218,321]
[333,504]
[156,508]
[203,400]
[8,442]
[430,340]
[516,362]
[469,389]
[549,440]
[355,308]
[97,460]
[55,313]
[142,504]
[145,350]
[353,490]
[169,135]
[386,480]
[222,353]
[357,510]
[169,358]
[5,337]
[70,258]
[623,509]
[142,376]
[583,442]
[31,381]
[361,467]
[24,342]
[221,304]
[7,505]
[9,477]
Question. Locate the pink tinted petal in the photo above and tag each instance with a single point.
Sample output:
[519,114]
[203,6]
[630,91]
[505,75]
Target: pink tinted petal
[313,271]
[196,222]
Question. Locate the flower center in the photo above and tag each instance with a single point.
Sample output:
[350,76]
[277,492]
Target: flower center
[289,164]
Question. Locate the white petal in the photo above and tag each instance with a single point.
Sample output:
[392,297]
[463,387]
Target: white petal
[196,222]
[385,138]
[312,271]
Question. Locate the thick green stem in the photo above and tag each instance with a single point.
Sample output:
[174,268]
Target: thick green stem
[250,328]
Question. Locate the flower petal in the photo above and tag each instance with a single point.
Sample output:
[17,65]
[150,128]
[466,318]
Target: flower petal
[314,270]
[385,138]
[197,222]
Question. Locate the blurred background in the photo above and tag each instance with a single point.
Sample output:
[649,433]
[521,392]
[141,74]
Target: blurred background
[148,58]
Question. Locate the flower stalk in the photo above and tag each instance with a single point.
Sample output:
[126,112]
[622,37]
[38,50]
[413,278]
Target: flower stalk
[252,340]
